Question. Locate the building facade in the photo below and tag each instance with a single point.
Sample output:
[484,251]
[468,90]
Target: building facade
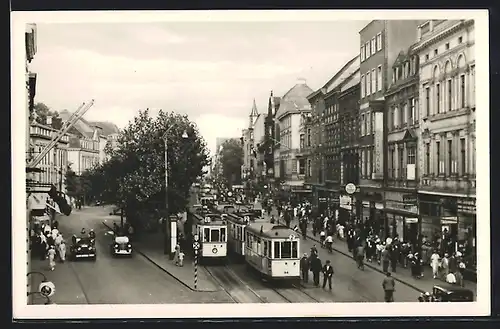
[326,129]
[83,153]
[348,99]
[269,144]
[402,97]
[53,165]
[380,43]
[447,192]
[293,105]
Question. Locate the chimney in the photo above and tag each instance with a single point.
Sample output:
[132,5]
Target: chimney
[48,121]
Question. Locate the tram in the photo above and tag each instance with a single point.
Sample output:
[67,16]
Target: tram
[236,231]
[273,251]
[211,229]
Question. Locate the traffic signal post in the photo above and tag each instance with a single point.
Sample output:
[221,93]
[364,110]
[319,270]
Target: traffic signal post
[196,248]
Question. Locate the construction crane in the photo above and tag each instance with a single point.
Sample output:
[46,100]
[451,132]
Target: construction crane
[59,134]
[58,196]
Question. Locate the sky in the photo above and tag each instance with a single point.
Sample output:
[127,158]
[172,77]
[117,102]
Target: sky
[210,71]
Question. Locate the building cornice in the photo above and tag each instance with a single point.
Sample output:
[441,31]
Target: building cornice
[397,87]
[442,35]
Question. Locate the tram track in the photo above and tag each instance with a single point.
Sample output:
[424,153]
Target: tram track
[234,286]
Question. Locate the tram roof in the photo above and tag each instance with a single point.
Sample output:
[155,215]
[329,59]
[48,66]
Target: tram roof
[270,230]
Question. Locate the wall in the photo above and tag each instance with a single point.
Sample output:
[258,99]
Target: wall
[295,127]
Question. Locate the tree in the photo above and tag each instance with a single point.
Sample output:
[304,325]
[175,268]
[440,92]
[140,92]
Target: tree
[42,111]
[231,158]
[134,176]
[73,185]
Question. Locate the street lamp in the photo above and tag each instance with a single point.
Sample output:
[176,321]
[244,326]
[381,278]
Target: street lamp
[167,247]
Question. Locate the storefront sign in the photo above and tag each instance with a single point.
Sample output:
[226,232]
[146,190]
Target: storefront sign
[411,220]
[345,202]
[379,206]
[366,204]
[410,198]
[378,145]
[407,207]
[322,199]
[449,220]
[466,206]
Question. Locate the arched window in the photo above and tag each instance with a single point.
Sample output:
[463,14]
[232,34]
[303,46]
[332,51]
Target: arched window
[449,87]
[462,98]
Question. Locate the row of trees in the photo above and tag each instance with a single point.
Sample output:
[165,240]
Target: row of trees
[134,176]
[231,160]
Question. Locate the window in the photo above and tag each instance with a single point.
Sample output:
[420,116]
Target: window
[362,132]
[368,124]
[379,78]
[302,166]
[438,156]
[438,98]
[206,234]
[372,158]
[368,83]
[309,137]
[302,141]
[450,99]
[460,39]
[286,250]
[411,155]
[392,158]
[364,162]
[450,156]
[447,46]
[363,86]
[402,114]
[373,46]
[365,120]
[427,158]
[463,158]
[214,235]
[401,162]
[435,52]
[277,253]
[411,112]
[427,101]
[426,57]
[362,53]
[309,168]
[392,118]
[295,249]
[379,41]
[367,50]
[223,234]
[462,91]
[372,122]
[374,81]
[473,156]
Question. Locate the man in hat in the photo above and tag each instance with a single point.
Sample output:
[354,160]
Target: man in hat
[304,268]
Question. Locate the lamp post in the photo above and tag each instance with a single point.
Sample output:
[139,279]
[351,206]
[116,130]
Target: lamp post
[167,248]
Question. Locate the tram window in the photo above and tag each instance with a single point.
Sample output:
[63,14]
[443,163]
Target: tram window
[240,230]
[223,234]
[269,246]
[206,235]
[295,249]
[214,235]
[265,248]
[276,249]
[286,249]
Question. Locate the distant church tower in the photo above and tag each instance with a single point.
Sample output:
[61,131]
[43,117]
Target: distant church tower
[253,115]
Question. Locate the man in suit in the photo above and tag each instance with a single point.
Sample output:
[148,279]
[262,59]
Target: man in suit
[327,274]
[389,286]
[304,268]
[315,268]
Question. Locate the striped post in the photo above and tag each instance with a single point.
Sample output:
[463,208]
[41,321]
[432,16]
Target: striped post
[195,269]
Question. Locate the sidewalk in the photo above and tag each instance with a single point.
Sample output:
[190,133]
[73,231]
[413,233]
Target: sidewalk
[68,290]
[151,247]
[402,275]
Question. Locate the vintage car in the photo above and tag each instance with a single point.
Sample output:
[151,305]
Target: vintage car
[83,247]
[121,246]
[448,293]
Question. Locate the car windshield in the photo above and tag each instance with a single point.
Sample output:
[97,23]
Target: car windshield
[84,241]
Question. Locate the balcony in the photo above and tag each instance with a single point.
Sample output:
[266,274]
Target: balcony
[48,133]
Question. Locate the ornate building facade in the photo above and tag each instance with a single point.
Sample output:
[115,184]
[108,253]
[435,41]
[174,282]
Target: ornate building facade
[447,194]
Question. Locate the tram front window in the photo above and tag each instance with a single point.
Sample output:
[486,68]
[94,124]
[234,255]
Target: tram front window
[222,234]
[206,235]
[286,249]
[295,249]
[214,235]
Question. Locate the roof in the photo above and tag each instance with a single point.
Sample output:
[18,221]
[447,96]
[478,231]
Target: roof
[295,100]
[108,128]
[82,126]
[270,230]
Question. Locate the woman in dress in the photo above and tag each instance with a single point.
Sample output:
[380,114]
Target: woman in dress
[52,255]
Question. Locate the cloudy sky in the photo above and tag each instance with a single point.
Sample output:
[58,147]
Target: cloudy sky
[211,71]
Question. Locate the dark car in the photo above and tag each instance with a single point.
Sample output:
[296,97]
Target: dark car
[83,247]
[449,293]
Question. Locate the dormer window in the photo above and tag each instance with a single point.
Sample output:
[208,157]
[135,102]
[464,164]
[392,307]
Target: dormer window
[425,28]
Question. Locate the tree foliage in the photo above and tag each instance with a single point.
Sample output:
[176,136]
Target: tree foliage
[42,111]
[134,175]
[72,183]
[231,159]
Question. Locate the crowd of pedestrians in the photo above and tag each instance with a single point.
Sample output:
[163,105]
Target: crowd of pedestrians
[47,243]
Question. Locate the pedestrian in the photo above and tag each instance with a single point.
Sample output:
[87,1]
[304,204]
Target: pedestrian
[327,274]
[304,268]
[385,255]
[389,286]
[316,268]
[51,253]
[360,256]
[445,268]
[176,254]
[435,264]
[394,256]
[62,251]
[181,258]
